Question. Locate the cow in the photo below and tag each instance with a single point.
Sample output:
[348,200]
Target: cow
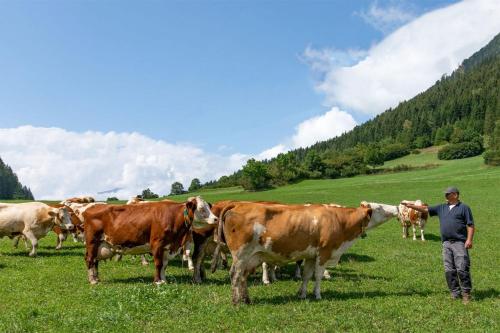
[159,228]
[136,200]
[80,200]
[32,220]
[204,240]
[62,234]
[410,217]
[269,272]
[278,234]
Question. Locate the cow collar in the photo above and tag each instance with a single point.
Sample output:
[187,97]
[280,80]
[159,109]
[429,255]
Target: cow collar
[187,221]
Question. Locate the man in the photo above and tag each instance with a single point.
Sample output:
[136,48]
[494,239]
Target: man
[457,231]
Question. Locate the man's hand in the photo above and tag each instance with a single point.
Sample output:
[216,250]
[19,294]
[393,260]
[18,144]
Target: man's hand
[468,244]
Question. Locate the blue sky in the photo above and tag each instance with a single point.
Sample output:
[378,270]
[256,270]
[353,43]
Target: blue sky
[212,73]
[100,95]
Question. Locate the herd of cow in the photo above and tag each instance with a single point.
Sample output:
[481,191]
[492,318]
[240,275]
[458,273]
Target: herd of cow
[254,233]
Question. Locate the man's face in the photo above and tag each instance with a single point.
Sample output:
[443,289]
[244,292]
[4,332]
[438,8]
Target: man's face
[451,197]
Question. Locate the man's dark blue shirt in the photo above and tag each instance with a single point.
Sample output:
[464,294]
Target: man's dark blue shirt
[453,222]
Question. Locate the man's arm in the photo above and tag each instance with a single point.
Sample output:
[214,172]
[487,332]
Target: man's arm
[422,209]
[470,228]
[470,236]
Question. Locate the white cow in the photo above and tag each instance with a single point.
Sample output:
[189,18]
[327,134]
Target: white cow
[33,220]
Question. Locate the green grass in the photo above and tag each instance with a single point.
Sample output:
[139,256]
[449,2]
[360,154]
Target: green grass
[384,283]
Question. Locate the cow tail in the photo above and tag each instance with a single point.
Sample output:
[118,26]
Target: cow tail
[220,237]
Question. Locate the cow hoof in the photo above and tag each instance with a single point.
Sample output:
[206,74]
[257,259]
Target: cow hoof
[318,297]
[160,282]
[266,283]
[145,263]
[32,255]
[94,282]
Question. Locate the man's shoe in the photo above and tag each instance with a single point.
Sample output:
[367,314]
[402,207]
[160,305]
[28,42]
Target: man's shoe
[466,298]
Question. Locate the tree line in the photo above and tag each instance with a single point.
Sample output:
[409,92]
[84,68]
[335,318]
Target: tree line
[10,187]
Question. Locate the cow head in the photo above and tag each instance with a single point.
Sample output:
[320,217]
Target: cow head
[380,213]
[61,218]
[200,209]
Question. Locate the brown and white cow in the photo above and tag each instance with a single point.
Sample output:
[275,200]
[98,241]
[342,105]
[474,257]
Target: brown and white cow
[62,234]
[32,220]
[81,199]
[136,200]
[410,217]
[159,228]
[278,234]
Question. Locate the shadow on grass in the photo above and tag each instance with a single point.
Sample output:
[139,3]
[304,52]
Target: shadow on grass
[344,275]
[58,253]
[171,279]
[432,238]
[353,257]
[484,294]
[334,295]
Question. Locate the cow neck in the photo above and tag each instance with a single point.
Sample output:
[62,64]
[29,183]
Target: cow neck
[364,226]
[188,222]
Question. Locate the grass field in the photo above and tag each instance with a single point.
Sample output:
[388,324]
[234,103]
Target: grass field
[383,283]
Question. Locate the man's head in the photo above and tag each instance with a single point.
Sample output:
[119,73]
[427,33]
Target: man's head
[451,194]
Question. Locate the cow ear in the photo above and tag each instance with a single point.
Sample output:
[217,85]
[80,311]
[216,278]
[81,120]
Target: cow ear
[191,204]
[365,204]
[209,205]
[369,212]
[52,213]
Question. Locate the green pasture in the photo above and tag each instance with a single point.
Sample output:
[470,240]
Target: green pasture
[384,283]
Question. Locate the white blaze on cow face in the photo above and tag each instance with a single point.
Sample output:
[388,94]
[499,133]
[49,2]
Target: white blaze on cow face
[62,218]
[380,213]
[202,214]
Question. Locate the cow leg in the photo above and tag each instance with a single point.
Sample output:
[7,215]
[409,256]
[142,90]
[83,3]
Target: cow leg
[265,273]
[15,241]
[198,256]
[318,275]
[237,277]
[91,260]
[309,266]
[244,287]
[414,232]
[298,275]
[164,267]
[60,239]
[273,273]
[422,233]
[158,250]
[405,231]
[187,257]
[224,260]
[144,261]
[33,240]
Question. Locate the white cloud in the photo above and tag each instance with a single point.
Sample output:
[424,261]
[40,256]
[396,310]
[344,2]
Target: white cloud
[387,18]
[272,152]
[323,127]
[410,59]
[320,128]
[57,163]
